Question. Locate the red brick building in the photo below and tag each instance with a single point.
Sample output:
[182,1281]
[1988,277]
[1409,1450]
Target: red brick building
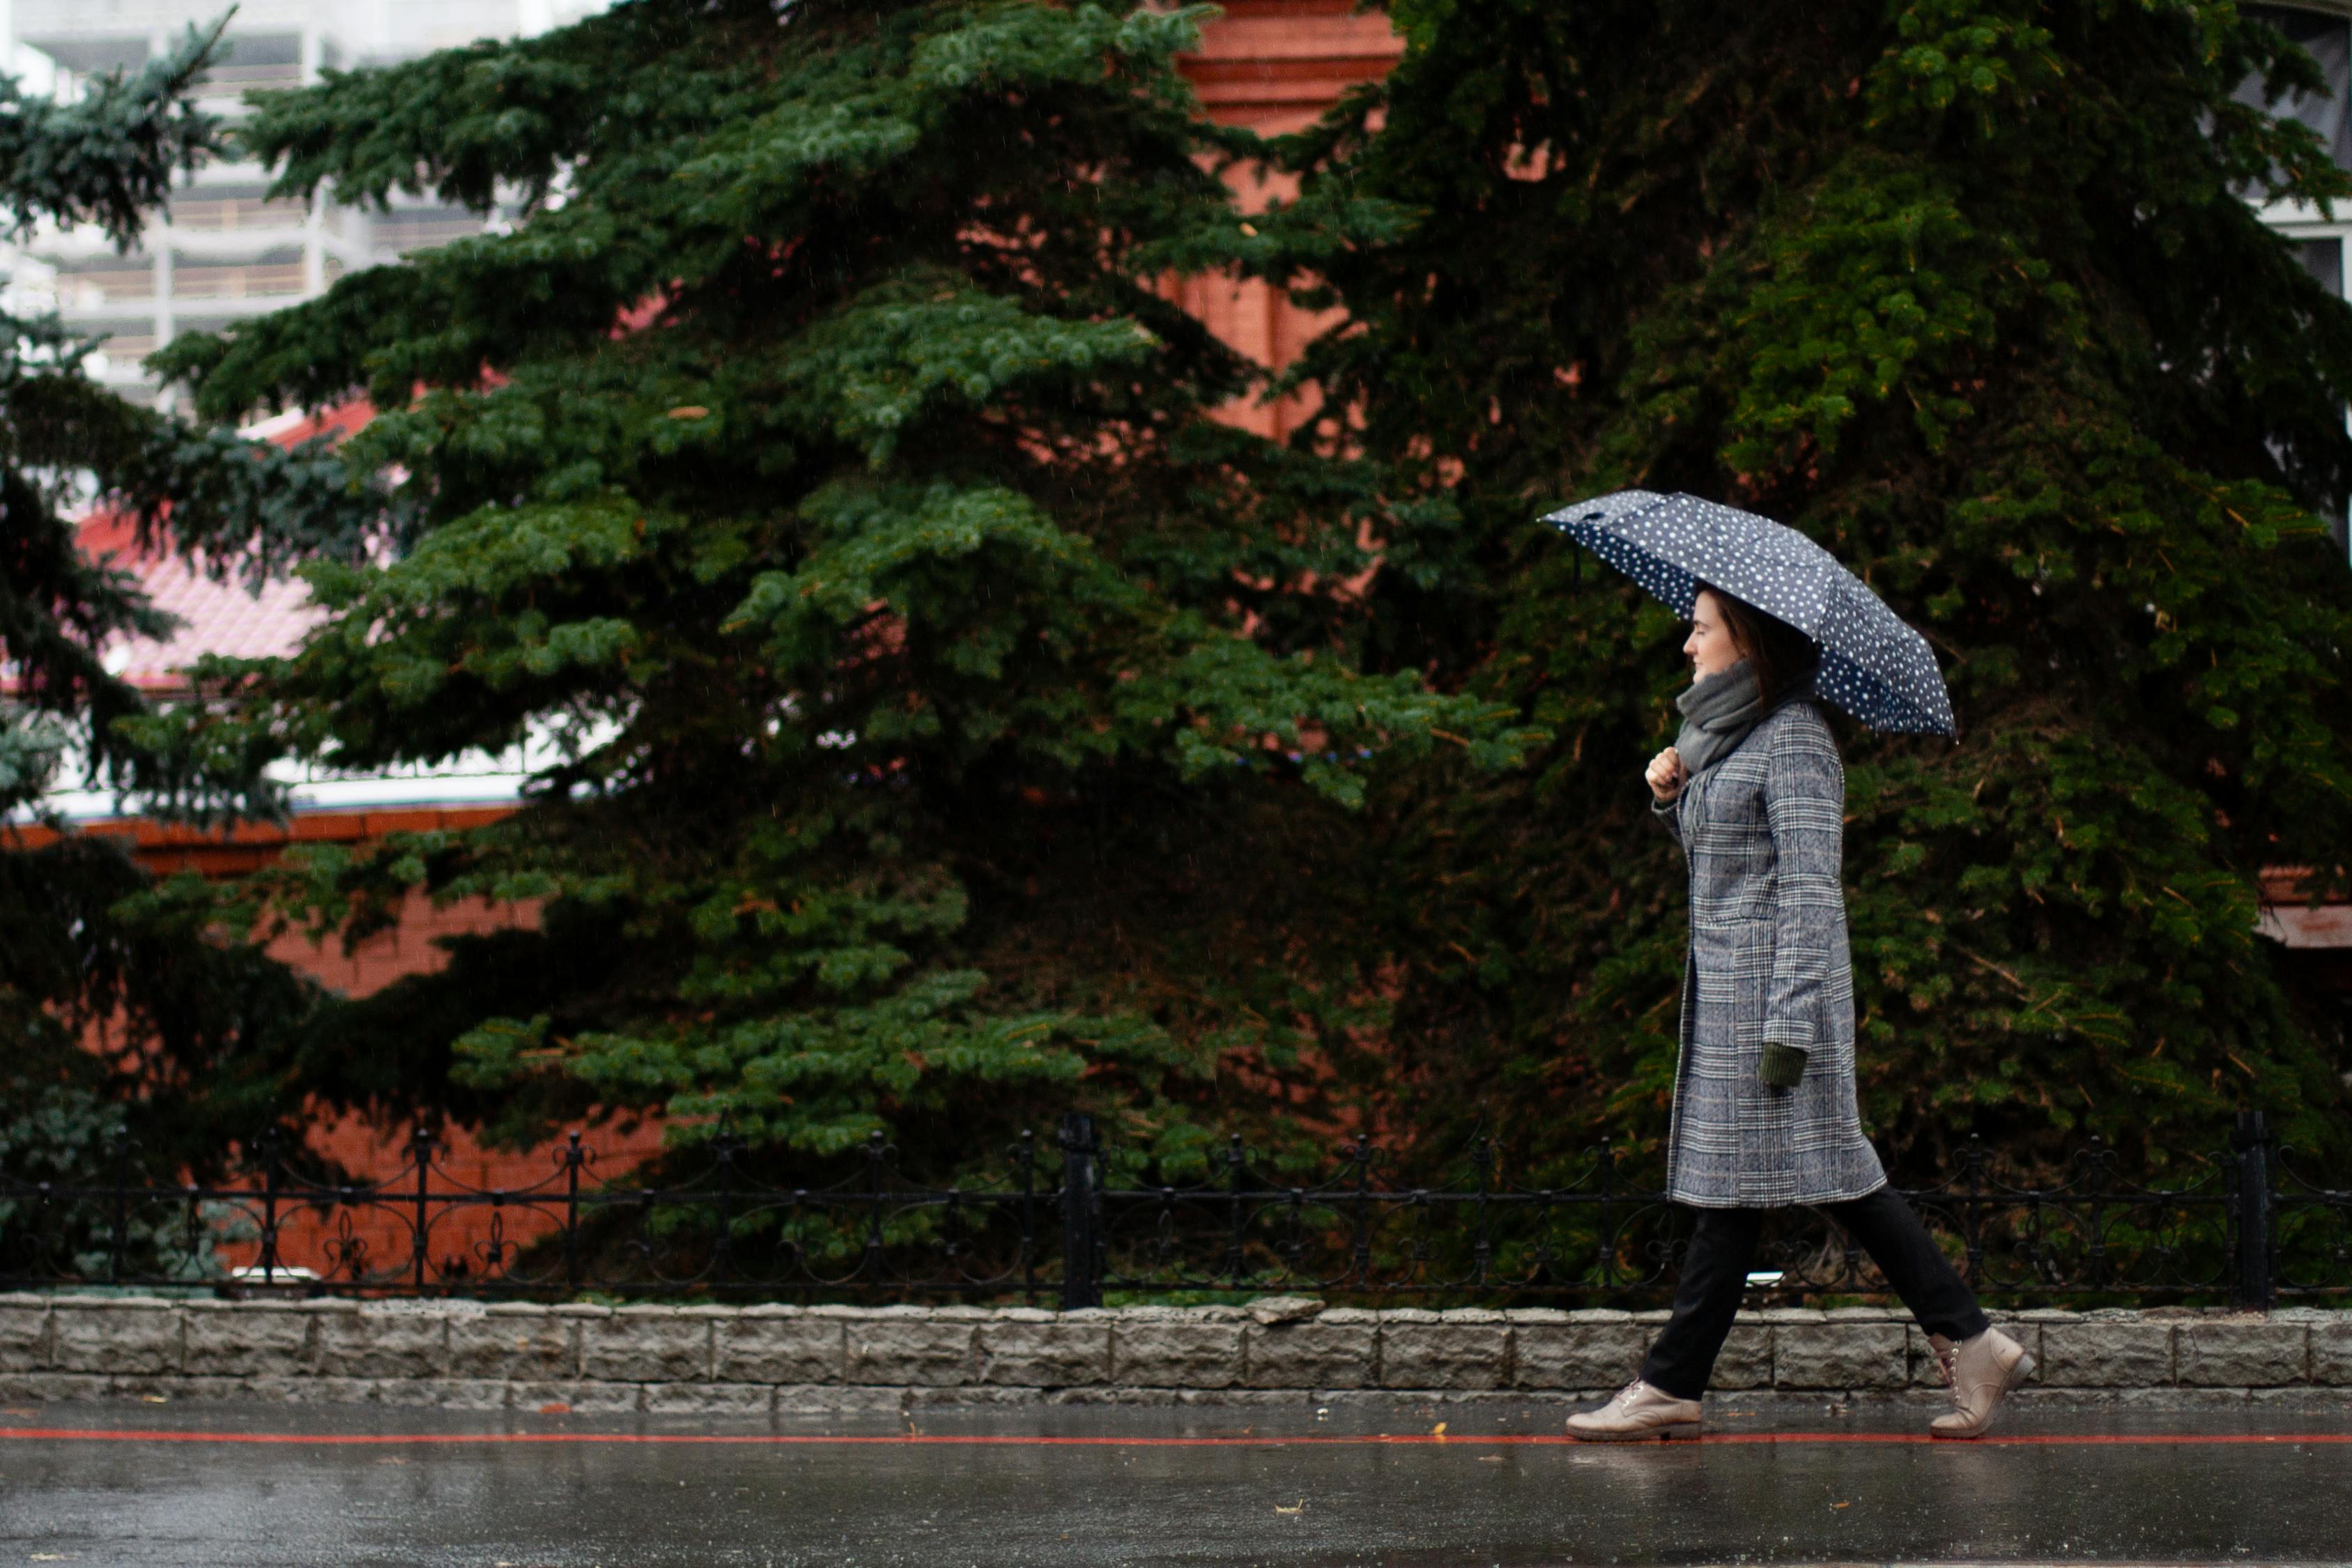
[1271,65]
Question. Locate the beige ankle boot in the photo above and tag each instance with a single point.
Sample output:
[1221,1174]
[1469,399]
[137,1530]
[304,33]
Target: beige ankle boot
[1980,1371]
[1639,1411]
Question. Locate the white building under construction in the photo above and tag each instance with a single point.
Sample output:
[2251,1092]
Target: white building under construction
[222,252]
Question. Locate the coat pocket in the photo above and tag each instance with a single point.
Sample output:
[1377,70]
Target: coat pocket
[1734,960]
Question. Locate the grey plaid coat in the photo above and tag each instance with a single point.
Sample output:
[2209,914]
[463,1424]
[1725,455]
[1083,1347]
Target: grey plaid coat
[1764,832]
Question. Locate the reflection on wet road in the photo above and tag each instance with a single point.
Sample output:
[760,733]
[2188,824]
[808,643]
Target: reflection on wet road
[198,1485]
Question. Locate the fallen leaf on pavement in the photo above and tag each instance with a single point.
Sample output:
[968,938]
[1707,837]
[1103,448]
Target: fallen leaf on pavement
[1292,1508]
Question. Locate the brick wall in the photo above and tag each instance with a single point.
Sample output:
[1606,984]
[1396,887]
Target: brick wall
[370,1151]
[1273,66]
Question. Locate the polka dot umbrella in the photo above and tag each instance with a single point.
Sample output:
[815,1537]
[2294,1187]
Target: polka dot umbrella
[1873,665]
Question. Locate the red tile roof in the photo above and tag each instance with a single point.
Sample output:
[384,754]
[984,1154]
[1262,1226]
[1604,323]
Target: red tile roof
[218,617]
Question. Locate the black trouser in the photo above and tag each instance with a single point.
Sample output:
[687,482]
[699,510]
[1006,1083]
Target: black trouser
[1715,1272]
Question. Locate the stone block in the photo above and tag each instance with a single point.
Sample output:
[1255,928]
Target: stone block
[1028,1349]
[2088,1352]
[1577,1352]
[1272,1310]
[248,1338]
[601,1397]
[584,1397]
[1168,1347]
[908,1347]
[1919,1359]
[318,1390]
[2331,1351]
[2242,1353]
[1424,1350]
[966,1394]
[514,1341]
[23,1336]
[371,1341]
[830,1399]
[113,1337]
[780,1345]
[443,1393]
[1122,1396]
[263,1390]
[550,1398]
[645,1344]
[709,1398]
[1745,1360]
[1257,1398]
[43,1387]
[1839,1355]
[1340,1348]
[2024,1330]
[2322,1401]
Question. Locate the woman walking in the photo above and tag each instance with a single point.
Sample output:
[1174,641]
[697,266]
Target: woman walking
[1764,1113]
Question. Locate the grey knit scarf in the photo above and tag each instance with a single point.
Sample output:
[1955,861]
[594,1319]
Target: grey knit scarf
[1720,709]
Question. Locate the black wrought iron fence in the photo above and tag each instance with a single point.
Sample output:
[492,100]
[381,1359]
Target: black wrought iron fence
[1052,1224]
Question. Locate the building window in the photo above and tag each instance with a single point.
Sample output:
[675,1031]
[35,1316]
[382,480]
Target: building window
[2329,39]
[274,272]
[2324,259]
[256,60]
[104,281]
[2316,238]
[220,207]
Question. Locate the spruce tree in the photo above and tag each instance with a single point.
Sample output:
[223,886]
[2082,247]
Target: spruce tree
[1968,290]
[946,710]
[121,1018]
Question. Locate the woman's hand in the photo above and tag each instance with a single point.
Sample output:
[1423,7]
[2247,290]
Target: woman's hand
[1665,775]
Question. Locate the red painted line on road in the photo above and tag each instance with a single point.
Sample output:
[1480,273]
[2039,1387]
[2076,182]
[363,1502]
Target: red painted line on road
[955,1440]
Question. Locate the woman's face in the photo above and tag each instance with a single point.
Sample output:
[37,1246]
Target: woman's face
[1709,645]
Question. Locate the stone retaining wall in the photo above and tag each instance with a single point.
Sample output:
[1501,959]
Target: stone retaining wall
[749,1360]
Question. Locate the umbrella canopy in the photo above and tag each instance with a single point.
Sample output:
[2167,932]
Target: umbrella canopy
[1873,665]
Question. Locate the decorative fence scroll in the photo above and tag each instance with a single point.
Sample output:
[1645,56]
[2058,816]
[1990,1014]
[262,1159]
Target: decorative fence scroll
[1049,1225]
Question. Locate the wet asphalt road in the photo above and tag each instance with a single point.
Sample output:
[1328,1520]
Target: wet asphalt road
[210,1484]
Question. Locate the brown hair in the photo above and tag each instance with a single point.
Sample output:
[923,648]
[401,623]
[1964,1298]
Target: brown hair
[1779,652]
